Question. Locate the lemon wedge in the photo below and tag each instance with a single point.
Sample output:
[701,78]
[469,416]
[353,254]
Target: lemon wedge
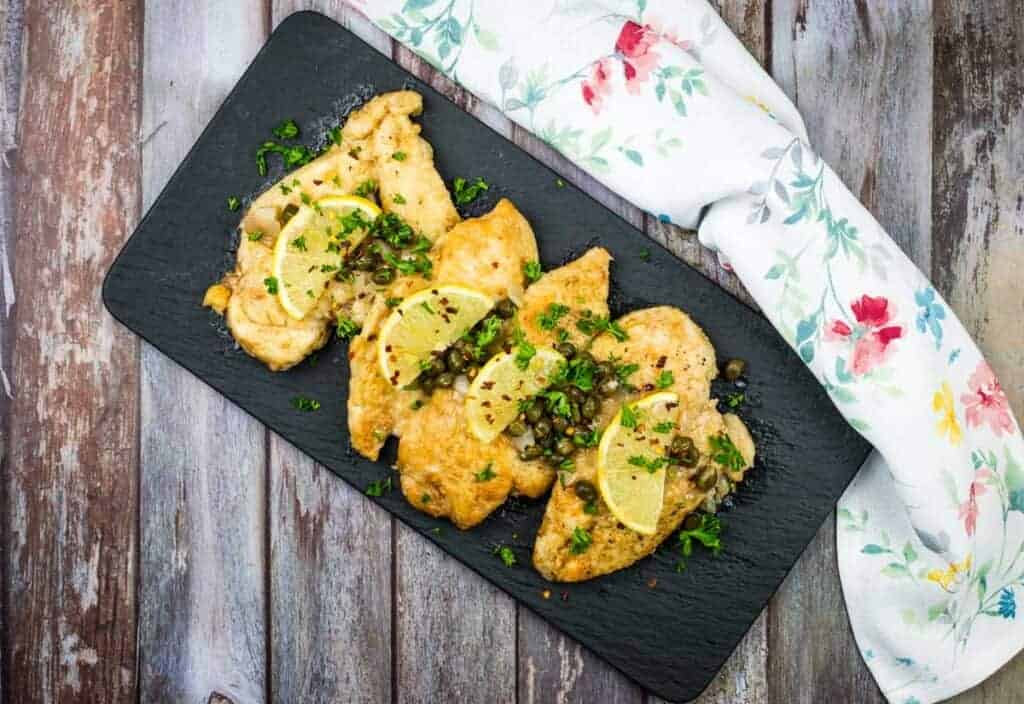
[492,401]
[311,246]
[631,462]
[425,322]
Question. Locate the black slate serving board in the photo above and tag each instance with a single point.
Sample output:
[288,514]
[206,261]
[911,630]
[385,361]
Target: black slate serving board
[671,638]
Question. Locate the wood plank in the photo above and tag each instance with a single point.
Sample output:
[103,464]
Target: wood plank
[202,601]
[71,479]
[872,61]
[11,30]
[331,549]
[978,207]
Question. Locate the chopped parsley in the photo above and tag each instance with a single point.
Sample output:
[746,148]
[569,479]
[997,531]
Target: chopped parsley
[665,426]
[624,371]
[398,156]
[305,404]
[233,203]
[735,400]
[393,301]
[651,465]
[488,333]
[486,474]
[336,135]
[665,379]
[398,199]
[629,417]
[524,350]
[304,197]
[506,555]
[347,328]
[416,405]
[293,156]
[422,245]
[645,255]
[725,453]
[425,499]
[578,372]
[558,403]
[532,271]
[591,438]
[271,283]
[593,325]
[418,264]
[426,306]
[590,507]
[549,319]
[289,129]
[580,541]
[567,465]
[255,236]
[707,533]
[366,188]
[299,243]
[466,192]
[559,183]
[378,487]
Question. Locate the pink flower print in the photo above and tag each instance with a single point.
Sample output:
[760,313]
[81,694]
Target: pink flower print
[969,508]
[987,402]
[670,34]
[638,61]
[598,85]
[871,336]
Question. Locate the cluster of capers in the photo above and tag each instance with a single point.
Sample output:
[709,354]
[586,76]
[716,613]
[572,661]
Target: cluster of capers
[463,357]
[683,453]
[559,431]
[389,236]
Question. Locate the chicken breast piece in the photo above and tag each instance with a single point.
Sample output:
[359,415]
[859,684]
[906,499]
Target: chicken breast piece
[581,285]
[371,137]
[440,460]
[659,339]
[485,253]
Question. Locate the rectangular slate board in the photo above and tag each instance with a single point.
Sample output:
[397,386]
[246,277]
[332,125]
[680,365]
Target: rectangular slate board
[671,638]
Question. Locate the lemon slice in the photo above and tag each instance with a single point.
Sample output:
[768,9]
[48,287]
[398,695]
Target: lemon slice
[631,462]
[493,398]
[427,321]
[311,246]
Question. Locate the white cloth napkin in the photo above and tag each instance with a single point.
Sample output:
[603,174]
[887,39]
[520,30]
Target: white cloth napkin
[661,102]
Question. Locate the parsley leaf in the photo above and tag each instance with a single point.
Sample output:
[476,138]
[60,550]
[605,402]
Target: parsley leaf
[466,192]
[336,135]
[593,325]
[398,199]
[398,156]
[366,188]
[624,371]
[549,319]
[645,255]
[735,400]
[289,129]
[707,533]
[651,465]
[255,236]
[725,453]
[378,487]
[486,474]
[580,542]
[299,243]
[293,156]
[629,417]
[393,301]
[347,328]
[488,333]
[532,271]
[305,404]
[524,350]
[558,403]
[271,283]
[665,426]
[665,379]
[233,203]
[506,555]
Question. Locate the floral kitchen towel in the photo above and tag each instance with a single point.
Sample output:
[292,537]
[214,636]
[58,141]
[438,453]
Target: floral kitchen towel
[660,101]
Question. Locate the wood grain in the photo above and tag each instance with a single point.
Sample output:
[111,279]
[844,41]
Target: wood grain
[202,609]
[837,61]
[71,469]
[978,205]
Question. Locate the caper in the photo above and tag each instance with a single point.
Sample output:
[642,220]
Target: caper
[590,408]
[679,446]
[445,379]
[707,479]
[564,447]
[288,212]
[471,371]
[574,413]
[554,460]
[566,349]
[575,394]
[734,369]
[464,346]
[530,452]
[605,370]
[427,384]
[383,275]
[559,424]
[516,428]
[583,356]
[505,308]
[365,262]
[585,490]
[436,366]
[534,412]
[608,386]
[692,522]
[455,360]
[542,428]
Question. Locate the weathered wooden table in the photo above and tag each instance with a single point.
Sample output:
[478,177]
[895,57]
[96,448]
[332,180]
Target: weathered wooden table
[159,545]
